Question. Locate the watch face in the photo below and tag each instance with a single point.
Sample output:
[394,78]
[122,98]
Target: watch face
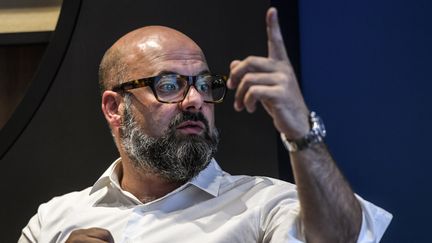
[318,125]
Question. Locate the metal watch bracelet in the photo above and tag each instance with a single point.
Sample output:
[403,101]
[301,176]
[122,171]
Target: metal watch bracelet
[314,136]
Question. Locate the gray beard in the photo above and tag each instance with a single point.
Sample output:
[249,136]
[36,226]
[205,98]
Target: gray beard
[175,157]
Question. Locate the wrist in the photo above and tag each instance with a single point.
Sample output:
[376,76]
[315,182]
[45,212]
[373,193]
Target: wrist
[300,128]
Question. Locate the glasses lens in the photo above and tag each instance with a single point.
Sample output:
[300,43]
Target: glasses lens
[170,88]
[218,88]
[212,88]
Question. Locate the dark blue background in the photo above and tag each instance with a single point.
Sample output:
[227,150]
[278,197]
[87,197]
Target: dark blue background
[366,68]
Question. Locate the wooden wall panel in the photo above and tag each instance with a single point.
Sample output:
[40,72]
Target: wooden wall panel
[18,63]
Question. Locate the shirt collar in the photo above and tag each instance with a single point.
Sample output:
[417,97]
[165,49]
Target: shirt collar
[111,175]
[208,180]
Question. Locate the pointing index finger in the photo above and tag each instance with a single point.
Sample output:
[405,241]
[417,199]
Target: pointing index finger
[276,45]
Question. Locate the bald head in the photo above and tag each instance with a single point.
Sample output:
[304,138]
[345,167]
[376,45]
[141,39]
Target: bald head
[138,51]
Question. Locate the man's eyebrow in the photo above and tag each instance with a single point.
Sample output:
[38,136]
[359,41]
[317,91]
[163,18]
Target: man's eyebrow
[204,72]
[166,72]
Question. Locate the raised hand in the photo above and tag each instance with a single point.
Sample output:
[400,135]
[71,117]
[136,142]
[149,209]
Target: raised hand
[271,80]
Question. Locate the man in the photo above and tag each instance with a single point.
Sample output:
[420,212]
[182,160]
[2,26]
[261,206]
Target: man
[158,100]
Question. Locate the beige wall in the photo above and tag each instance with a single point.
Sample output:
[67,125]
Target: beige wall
[28,15]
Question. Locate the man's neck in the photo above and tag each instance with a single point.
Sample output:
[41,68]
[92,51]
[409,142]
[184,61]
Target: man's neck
[144,185]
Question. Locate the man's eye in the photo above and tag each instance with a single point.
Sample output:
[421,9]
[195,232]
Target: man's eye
[167,86]
[203,87]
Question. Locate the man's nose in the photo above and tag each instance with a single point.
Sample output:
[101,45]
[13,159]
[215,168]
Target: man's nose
[193,100]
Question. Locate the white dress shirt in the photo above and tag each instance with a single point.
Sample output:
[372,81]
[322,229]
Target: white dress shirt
[213,207]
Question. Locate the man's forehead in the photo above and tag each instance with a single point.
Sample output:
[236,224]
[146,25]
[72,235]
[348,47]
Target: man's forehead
[182,57]
[161,66]
[166,72]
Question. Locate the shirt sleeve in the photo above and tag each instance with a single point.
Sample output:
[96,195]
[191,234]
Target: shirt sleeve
[31,232]
[375,221]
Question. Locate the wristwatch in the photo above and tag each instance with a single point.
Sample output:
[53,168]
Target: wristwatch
[314,136]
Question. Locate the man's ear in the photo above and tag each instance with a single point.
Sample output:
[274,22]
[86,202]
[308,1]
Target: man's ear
[110,108]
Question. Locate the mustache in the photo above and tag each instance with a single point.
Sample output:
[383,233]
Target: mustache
[188,116]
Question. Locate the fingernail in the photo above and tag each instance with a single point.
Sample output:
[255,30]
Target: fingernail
[275,15]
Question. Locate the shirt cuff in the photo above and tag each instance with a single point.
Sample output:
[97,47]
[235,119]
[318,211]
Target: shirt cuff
[375,221]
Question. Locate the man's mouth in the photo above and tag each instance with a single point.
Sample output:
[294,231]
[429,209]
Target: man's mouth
[191,127]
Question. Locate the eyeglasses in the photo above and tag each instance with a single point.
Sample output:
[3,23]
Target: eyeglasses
[173,88]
